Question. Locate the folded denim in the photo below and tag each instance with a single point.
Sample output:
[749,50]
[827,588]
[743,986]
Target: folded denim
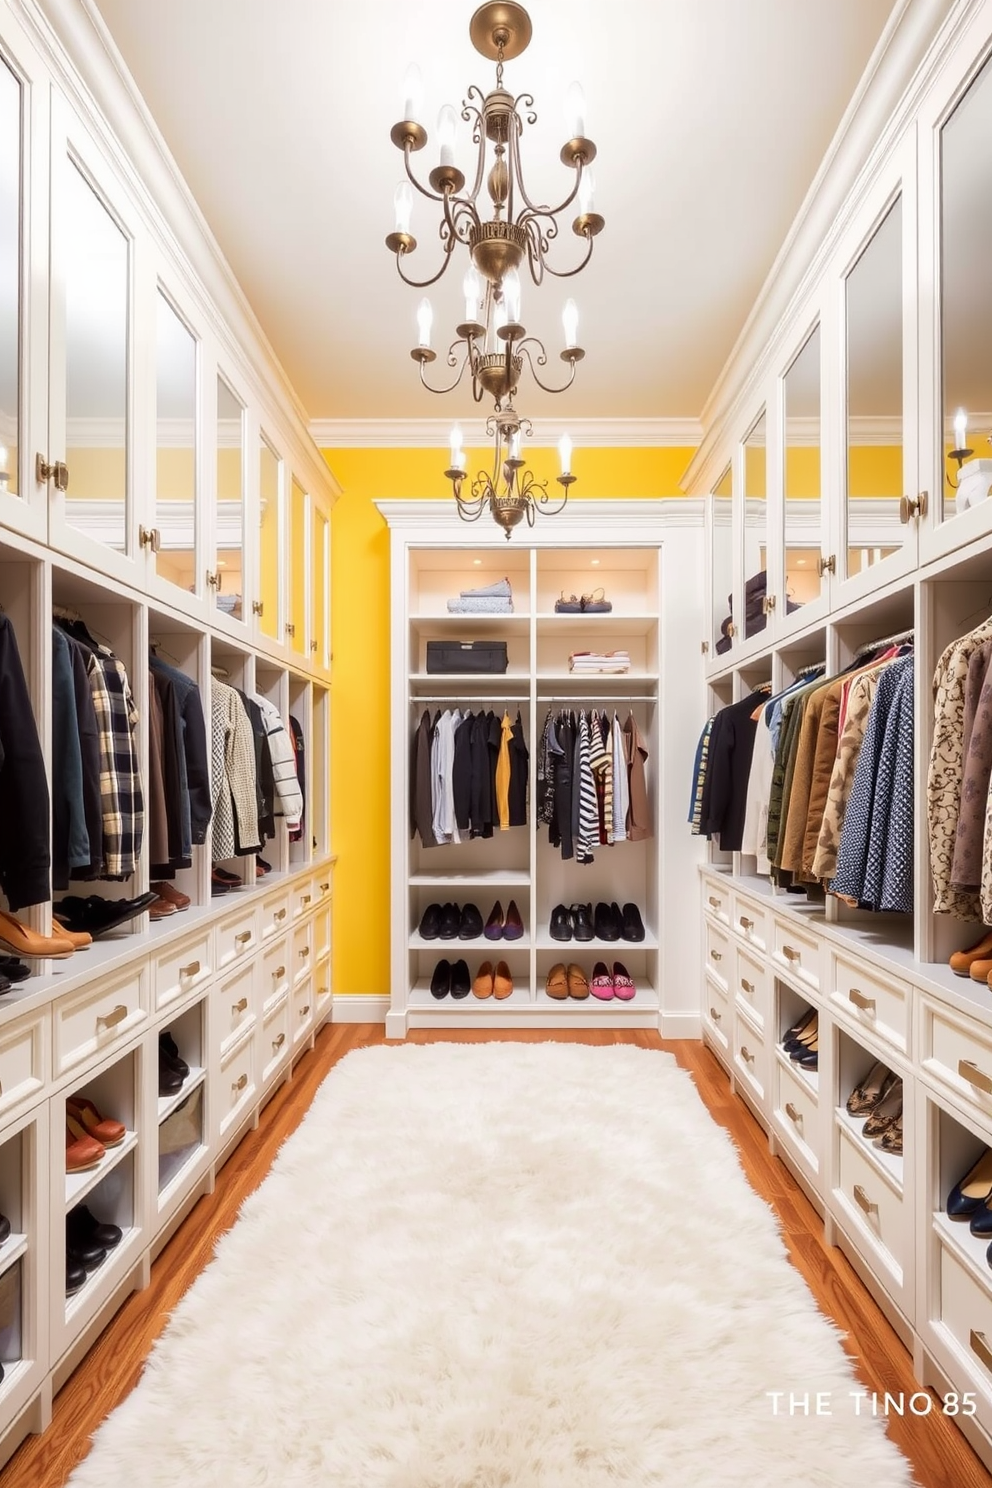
[480,605]
[500,587]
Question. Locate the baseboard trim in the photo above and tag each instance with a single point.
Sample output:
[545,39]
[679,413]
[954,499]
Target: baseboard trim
[680,1025]
[358,1008]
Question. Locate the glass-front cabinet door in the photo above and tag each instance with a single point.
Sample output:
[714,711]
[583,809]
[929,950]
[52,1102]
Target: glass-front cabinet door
[176,448]
[755,616]
[299,577]
[268,605]
[722,571]
[92,358]
[227,577]
[802,485]
[320,585]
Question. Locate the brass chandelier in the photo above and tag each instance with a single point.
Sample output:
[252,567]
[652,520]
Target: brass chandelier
[499,233]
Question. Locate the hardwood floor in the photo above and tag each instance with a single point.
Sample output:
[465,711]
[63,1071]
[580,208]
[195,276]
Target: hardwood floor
[938,1453]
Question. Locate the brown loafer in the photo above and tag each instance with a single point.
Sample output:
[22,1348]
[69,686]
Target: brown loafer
[105,1130]
[31,946]
[171,894]
[482,982]
[979,969]
[557,983]
[81,1152]
[502,981]
[578,986]
[161,909]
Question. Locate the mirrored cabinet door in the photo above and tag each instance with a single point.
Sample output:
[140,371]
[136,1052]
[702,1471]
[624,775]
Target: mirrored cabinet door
[270,545]
[227,578]
[722,550]
[873,293]
[756,527]
[296,625]
[320,580]
[966,302]
[11,175]
[803,522]
[176,448]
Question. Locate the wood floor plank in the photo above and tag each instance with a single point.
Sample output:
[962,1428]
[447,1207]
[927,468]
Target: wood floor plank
[937,1451]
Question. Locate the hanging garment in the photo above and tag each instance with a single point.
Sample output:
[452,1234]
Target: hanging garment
[560,833]
[501,774]
[70,837]
[192,769]
[639,825]
[420,782]
[519,770]
[945,772]
[548,756]
[621,784]
[442,792]
[461,775]
[585,809]
[158,816]
[698,776]
[25,857]
[976,741]
[235,808]
[299,751]
[282,764]
[860,694]
[121,796]
[754,834]
[724,800]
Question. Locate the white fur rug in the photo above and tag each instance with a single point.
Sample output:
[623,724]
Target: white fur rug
[497,1266]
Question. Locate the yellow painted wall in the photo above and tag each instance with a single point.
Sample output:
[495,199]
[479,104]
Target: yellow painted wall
[360,630]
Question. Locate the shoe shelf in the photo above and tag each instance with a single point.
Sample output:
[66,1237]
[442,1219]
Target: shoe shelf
[589,626]
[100,1282]
[474,626]
[511,878]
[970,1249]
[601,686]
[604,950]
[531,1002]
[11,1251]
[78,1185]
[492,950]
[808,1077]
[889,1165]
[645,999]
[168,1103]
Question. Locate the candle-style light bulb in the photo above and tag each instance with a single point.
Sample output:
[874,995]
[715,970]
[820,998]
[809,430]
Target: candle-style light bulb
[587,190]
[447,123]
[575,111]
[514,451]
[413,94]
[472,290]
[403,206]
[960,428]
[425,319]
[570,322]
[457,453]
[511,295]
[565,454]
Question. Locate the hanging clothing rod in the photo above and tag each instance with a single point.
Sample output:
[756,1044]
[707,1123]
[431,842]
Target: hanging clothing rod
[599,697]
[892,640]
[456,698]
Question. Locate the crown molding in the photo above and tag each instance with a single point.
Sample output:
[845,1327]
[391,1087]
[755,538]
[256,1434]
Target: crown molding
[626,520]
[631,433]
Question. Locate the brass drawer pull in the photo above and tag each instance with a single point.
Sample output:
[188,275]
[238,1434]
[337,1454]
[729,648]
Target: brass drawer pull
[748,987]
[243,938]
[280,971]
[321,992]
[111,1020]
[716,955]
[793,1114]
[240,1005]
[746,925]
[980,1347]
[304,951]
[305,900]
[863,1201]
[279,914]
[240,1082]
[866,1004]
[746,1054]
[304,1011]
[714,903]
[278,1042]
[715,1015]
[193,969]
[975,1076]
[791,954]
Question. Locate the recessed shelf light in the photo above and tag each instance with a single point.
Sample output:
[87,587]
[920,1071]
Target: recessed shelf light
[477,562]
[595,563]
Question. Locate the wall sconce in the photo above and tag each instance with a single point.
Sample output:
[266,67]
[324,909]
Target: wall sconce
[960,452]
[974,476]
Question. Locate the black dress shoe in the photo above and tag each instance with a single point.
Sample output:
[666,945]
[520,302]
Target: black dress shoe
[13,969]
[85,1252]
[85,1228]
[5,983]
[167,1045]
[582,926]
[470,924]
[450,921]
[441,979]
[4,1228]
[561,923]
[75,1276]
[96,915]
[607,923]
[632,927]
[430,923]
[461,982]
[169,1078]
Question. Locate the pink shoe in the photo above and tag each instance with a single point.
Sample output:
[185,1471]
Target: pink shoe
[623,985]
[601,985]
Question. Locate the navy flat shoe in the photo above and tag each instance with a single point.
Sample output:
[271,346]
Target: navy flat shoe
[971,1192]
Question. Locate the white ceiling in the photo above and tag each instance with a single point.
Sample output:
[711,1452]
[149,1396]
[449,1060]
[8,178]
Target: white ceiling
[710,116]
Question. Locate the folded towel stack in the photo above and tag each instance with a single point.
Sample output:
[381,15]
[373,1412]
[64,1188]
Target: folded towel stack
[599,661]
[489,599]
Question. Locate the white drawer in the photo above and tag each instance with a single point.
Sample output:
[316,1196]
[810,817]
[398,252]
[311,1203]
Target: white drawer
[90,1022]
[181,968]
[302,1015]
[719,955]
[236,1084]
[716,1014]
[796,952]
[963,1312]
[876,1208]
[321,990]
[274,971]
[302,958]
[23,1060]
[233,1007]
[750,1058]
[797,1113]
[275,1042]
[751,921]
[958,1054]
[881,1004]
[322,934]
[751,989]
[716,901]
[237,937]
[273,914]
[301,899]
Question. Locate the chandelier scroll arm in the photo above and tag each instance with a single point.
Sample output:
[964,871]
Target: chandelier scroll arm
[425,283]
[417,185]
[570,273]
[536,209]
[452,361]
[471,112]
[523,347]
